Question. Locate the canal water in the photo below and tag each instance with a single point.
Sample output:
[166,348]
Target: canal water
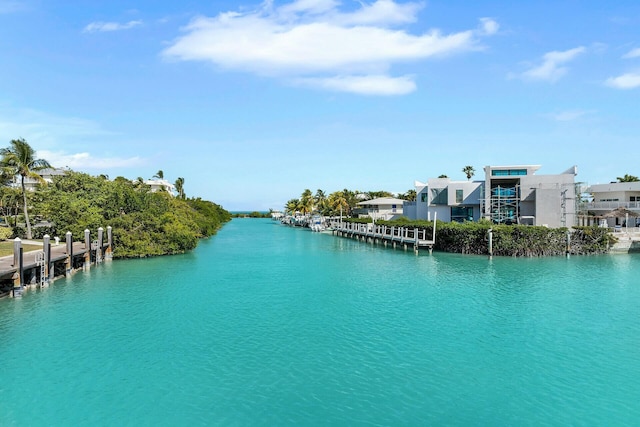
[269,325]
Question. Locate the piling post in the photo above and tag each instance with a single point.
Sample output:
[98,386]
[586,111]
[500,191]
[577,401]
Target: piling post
[46,248]
[490,238]
[109,252]
[17,262]
[568,243]
[87,247]
[68,263]
[100,240]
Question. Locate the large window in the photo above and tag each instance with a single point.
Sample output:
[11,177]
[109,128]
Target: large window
[439,196]
[459,196]
[508,172]
[461,213]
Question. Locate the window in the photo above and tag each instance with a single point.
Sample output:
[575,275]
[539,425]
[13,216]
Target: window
[461,213]
[423,197]
[459,196]
[508,172]
[439,196]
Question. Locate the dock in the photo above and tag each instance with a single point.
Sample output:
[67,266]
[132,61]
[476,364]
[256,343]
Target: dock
[39,268]
[403,237]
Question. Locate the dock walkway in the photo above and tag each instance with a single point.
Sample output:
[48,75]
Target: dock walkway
[406,237]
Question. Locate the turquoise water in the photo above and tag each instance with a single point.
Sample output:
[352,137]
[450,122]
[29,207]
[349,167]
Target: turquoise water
[268,325]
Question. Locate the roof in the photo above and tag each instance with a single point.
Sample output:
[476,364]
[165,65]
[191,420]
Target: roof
[615,186]
[382,201]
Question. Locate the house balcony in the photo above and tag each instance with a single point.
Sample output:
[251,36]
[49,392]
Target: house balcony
[609,206]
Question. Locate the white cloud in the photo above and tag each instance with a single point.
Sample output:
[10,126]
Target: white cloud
[85,161]
[489,26]
[314,41]
[95,27]
[551,68]
[633,53]
[364,85]
[625,81]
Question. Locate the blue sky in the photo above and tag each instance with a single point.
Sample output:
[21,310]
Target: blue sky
[252,102]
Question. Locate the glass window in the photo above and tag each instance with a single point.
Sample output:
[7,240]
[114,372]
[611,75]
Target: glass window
[461,213]
[439,196]
[459,196]
[508,172]
[423,197]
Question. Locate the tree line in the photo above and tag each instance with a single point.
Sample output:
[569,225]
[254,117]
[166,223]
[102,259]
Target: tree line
[144,222]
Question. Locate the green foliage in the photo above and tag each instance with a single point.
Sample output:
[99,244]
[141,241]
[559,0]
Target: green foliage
[511,240]
[5,233]
[143,223]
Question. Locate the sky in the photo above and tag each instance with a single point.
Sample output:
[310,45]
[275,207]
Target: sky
[253,102]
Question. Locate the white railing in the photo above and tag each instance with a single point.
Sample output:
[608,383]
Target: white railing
[613,205]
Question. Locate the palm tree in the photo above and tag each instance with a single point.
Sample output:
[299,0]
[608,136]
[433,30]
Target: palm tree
[443,176]
[410,195]
[292,206]
[469,171]
[320,200]
[159,175]
[20,159]
[306,201]
[627,178]
[179,184]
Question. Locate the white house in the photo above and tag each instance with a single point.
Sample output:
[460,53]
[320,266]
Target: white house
[158,184]
[508,195]
[607,197]
[381,208]
[31,184]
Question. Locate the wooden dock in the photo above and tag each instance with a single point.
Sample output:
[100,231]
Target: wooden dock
[404,237]
[40,267]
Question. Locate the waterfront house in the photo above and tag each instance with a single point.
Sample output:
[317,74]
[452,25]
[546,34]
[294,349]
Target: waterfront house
[508,195]
[381,208]
[31,184]
[615,195]
[158,184]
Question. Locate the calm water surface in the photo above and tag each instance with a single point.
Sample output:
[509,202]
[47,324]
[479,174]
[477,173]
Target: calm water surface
[268,325]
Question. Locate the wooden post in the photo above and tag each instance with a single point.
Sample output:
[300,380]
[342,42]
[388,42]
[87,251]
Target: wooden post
[109,252]
[87,247]
[68,263]
[46,248]
[17,262]
[100,244]
[568,243]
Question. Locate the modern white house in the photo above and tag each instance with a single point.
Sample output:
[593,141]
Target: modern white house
[385,208]
[611,196]
[512,194]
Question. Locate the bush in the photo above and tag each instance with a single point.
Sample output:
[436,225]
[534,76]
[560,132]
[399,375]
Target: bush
[5,233]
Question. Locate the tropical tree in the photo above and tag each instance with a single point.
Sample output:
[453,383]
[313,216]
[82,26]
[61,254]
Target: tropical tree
[410,195]
[292,206]
[370,195]
[337,203]
[159,175]
[628,178]
[320,200]
[179,184]
[19,159]
[443,176]
[306,201]
[469,171]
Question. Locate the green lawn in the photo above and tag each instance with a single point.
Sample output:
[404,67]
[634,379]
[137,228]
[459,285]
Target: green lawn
[6,248]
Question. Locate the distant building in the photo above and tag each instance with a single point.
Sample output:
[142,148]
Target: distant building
[31,184]
[381,208]
[607,197]
[508,195]
[157,184]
